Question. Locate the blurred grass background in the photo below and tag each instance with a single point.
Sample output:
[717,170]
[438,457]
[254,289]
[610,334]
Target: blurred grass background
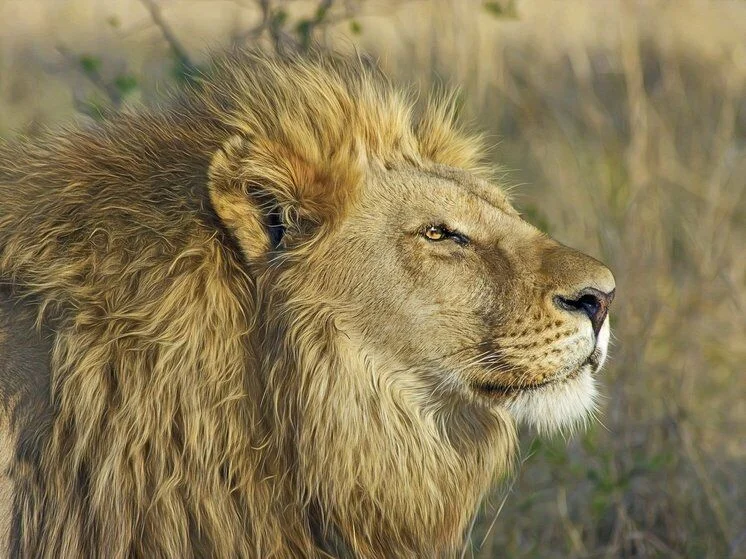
[624,122]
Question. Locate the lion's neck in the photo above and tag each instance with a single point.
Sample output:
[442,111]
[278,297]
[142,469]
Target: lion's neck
[384,476]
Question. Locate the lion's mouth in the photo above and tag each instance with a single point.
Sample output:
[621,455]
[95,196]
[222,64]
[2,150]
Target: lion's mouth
[496,390]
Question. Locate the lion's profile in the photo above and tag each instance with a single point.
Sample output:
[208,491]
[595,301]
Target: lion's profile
[285,315]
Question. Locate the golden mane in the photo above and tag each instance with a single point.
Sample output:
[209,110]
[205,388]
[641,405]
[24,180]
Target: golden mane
[193,402]
[333,111]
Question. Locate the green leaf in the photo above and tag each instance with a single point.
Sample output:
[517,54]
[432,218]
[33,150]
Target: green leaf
[321,12]
[96,107]
[660,461]
[90,64]
[279,17]
[497,9]
[600,504]
[303,27]
[184,72]
[125,83]
[355,27]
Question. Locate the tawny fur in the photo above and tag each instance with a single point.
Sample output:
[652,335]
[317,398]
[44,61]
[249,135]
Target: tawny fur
[203,404]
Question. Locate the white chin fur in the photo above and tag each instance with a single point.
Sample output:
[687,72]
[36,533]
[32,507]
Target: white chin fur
[560,407]
[563,406]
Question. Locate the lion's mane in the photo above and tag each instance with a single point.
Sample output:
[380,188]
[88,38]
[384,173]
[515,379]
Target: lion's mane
[196,407]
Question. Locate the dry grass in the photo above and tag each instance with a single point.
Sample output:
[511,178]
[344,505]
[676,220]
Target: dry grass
[626,124]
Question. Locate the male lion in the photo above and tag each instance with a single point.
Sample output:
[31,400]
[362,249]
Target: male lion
[285,315]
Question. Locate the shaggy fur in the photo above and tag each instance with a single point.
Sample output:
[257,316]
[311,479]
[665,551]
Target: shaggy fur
[205,399]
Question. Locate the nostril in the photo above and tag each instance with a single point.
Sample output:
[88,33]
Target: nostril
[587,303]
[591,302]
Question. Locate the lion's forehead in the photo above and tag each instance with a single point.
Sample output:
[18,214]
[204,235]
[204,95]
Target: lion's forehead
[475,186]
[451,194]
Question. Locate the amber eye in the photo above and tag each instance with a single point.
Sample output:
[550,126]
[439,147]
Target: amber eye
[441,232]
[435,233]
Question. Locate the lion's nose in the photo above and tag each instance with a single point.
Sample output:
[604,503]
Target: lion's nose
[593,302]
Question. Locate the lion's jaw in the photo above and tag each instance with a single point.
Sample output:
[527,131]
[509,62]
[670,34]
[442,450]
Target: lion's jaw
[567,402]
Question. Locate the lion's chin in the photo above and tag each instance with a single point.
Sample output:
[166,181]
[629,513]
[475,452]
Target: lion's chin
[561,406]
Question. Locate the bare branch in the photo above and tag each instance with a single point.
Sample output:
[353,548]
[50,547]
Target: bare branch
[255,32]
[92,75]
[178,49]
[321,12]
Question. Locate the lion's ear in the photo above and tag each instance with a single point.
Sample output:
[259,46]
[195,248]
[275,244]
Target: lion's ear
[262,190]
[239,211]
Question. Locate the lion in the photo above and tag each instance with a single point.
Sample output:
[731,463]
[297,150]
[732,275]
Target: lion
[290,312]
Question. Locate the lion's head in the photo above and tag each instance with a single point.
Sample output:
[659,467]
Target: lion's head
[292,314]
[395,228]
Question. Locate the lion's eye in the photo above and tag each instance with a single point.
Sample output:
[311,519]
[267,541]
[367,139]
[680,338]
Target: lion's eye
[441,233]
[436,233]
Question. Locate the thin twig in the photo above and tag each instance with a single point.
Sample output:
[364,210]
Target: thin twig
[497,513]
[178,49]
[255,32]
[93,76]
[321,12]
[469,532]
